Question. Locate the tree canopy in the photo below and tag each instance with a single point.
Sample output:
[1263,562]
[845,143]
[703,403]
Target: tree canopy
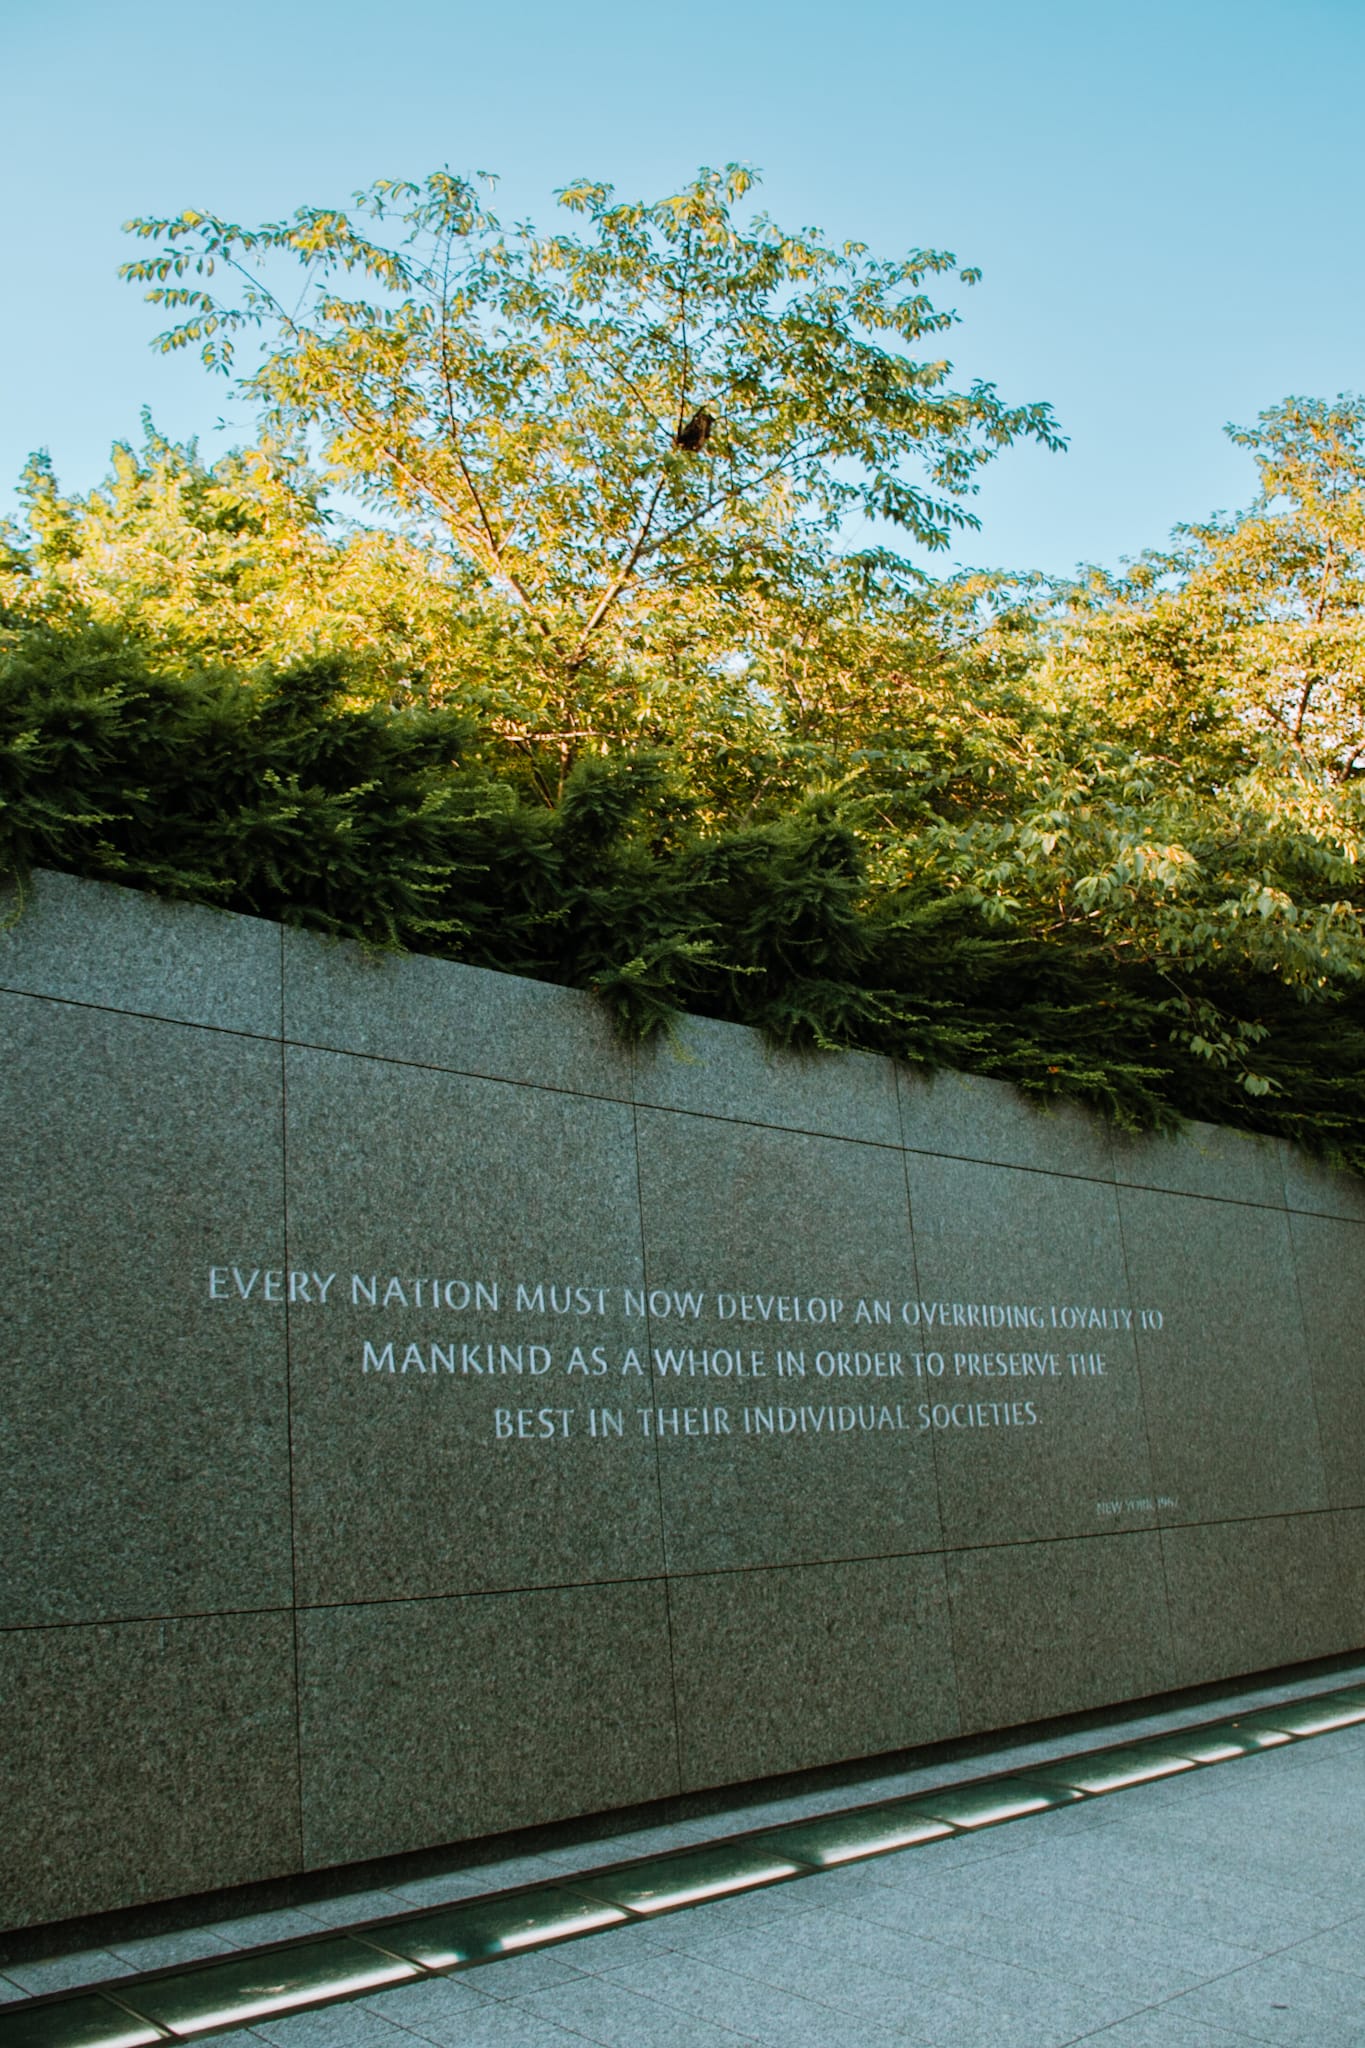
[594,420]
[605,688]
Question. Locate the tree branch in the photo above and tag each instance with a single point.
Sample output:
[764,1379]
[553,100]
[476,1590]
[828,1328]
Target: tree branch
[619,582]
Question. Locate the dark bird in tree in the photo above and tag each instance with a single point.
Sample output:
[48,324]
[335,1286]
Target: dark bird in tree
[696,433]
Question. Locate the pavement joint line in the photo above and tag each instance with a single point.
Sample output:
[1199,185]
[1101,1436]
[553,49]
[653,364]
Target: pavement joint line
[593,1900]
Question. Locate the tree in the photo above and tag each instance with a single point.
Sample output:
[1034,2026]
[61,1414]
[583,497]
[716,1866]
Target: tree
[616,469]
[189,557]
[600,423]
[239,563]
[1249,630]
[1197,802]
[1290,577]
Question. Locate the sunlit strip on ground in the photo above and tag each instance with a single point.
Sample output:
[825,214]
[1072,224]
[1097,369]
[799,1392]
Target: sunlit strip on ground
[985,1804]
[201,1999]
[1142,1764]
[581,1923]
[289,1999]
[186,2003]
[667,1901]
[479,1930]
[846,1837]
[1322,1724]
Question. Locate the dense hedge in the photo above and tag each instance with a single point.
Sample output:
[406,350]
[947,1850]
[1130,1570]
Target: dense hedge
[279,796]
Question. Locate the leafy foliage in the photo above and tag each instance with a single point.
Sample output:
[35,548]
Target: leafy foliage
[284,796]
[605,700]
[595,420]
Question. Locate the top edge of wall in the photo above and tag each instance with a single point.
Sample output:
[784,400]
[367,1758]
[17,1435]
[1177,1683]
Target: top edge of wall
[118,948]
[115,947]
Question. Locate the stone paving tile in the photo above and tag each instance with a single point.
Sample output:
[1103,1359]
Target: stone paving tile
[1335,1808]
[1245,1787]
[165,1951]
[602,2010]
[1326,1824]
[334,2026]
[440,2009]
[1272,1916]
[471,1881]
[1186,1793]
[1259,1917]
[1341,1948]
[1042,1984]
[1284,2001]
[1165,2029]
[1249,1920]
[1316,1871]
[915,1887]
[1331,1809]
[245,2037]
[353,1907]
[600,1955]
[827,1938]
[1225,1811]
[1048,1919]
[938,1863]
[256,1930]
[1060,2010]
[494,2026]
[1029,1974]
[644,1842]
[441,1890]
[66,1973]
[866,1992]
[1227,1857]
[1086,1817]
[1341,1894]
[1161,1801]
[1045,1851]
[1248,1776]
[914,1874]
[772,1906]
[1123,1983]
[513,1871]
[1131,1846]
[1026,1985]
[1128,1896]
[758,2011]
[1053,2018]
[516,2026]
[514,1976]
[1140,1861]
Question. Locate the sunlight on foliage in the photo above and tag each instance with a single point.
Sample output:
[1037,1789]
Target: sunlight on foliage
[604,695]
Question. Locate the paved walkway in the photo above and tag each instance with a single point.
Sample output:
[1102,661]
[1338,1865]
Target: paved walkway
[1217,1909]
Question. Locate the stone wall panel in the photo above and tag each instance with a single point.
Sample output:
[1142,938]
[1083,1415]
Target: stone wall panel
[573,1426]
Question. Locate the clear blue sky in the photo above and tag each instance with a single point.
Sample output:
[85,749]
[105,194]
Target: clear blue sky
[1166,200]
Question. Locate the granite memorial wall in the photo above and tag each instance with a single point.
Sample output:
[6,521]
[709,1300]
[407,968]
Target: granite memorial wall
[424,1416]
